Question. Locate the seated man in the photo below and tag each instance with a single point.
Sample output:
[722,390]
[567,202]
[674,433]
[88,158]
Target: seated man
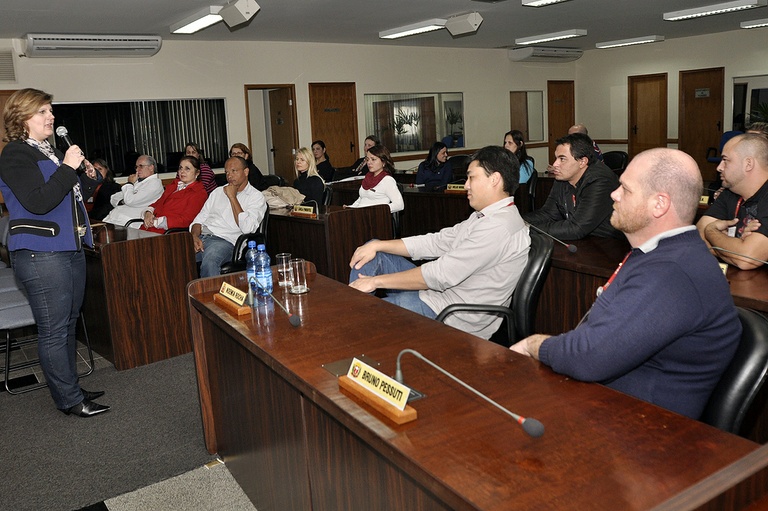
[231,210]
[478,260]
[580,203]
[743,202]
[142,189]
[664,327]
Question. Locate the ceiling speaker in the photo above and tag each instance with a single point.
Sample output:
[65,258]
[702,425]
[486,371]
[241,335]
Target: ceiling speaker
[464,24]
[239,11]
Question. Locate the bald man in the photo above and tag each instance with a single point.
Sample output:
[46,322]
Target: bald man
[737,222]
[664,327]
[580,128]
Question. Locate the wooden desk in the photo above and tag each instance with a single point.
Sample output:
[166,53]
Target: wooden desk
[293,440]
[329,240]
[135,299]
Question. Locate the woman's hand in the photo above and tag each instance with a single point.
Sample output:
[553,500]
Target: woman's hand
[90,170]
[74,156]
[149,219]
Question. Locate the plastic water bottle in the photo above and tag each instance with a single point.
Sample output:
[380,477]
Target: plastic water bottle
[263,271]
[251,263]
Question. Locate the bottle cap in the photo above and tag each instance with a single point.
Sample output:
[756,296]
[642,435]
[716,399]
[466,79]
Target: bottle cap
[251,244]
[260,247]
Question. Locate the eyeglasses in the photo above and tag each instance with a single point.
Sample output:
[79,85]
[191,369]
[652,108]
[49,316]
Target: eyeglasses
[142,165]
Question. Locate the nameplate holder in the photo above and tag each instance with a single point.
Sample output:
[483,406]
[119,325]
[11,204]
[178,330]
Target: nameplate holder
[724,268]
[377,390]
[232,299]
[455,188]
[704,200]
[304,211]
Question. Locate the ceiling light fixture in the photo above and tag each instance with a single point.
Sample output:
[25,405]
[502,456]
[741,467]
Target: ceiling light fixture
[754,24]
[708,10]
[541,3]
[554,36]
[416,28]
[630,42]
[463,24]
[198,21]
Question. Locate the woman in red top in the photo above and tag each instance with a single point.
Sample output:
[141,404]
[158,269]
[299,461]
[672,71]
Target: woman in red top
[181,201]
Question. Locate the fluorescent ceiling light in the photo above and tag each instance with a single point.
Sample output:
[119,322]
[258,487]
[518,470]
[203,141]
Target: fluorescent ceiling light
[754,23]
[555,36]
[541,3]
[708,10]
[416,28]
[198,21]
[630,42]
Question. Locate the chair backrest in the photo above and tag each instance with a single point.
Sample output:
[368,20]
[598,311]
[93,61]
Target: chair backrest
[327,195]
[272,180]
[259,236]
[714,155]
[525,299]
[532,181]
[616,161]
[733,400]
[459,164]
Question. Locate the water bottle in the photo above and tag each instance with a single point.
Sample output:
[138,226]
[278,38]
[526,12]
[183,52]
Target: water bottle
[251,265]
[263,271]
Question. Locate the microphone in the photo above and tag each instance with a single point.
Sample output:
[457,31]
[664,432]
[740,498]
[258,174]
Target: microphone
[63,133]
[720,249]
[571,248]
[292,319]
[530,425]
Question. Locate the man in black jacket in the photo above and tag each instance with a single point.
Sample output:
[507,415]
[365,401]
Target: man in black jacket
[580,202]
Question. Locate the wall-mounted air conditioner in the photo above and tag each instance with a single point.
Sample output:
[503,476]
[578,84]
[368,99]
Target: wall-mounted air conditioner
[541,54]
[91,45]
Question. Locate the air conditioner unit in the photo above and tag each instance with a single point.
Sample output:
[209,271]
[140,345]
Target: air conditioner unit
[540,54]
[91,45]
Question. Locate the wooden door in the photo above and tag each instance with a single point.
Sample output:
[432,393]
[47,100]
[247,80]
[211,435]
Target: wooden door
[561,112]
[518,112]
[333,114]
[282,119]
[701,115]
[647,113]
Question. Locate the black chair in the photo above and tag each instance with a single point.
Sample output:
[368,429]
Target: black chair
[714,154]
[616,161]
[327,195]
[532,181]
[459,164]
[241,245]
[272,180]
[520,317]
[737,399]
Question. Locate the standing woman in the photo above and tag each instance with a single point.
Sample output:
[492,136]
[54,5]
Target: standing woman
[379,187]
[207,177]
[181,201]
[435,172]
[323,162]
[308,182]
[514,143]
[48,228]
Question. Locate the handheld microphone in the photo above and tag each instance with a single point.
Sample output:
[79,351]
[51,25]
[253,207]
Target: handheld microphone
[63,133]
[292,319]
[720,249]
[530,425]
[571,248]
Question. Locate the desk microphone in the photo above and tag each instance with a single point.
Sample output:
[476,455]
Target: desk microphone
[720,249]
[63,133]
[530,425]
[571,248]
[292,319]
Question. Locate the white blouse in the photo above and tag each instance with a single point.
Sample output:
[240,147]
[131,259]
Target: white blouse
[386,192]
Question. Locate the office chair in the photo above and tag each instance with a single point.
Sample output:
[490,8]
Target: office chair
[272,180]
[459,164]
[737,399]
[532,182]
[241,245]
[616,161]
[714,155]
[327,195]
[520,318]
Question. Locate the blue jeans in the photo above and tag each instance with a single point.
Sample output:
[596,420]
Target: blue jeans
[384,264]
[216,251]
[55,286]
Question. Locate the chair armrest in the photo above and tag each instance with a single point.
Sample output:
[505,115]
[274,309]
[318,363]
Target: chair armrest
[133,221]
[498,310]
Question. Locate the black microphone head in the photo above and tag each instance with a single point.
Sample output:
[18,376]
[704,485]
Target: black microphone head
[533,427]
[62,131]
[294,320]
[571,248]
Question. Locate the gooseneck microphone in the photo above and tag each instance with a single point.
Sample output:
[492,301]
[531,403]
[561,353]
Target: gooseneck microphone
[530,425]
[63,133]
[292,318]
[731,252]
[571,248]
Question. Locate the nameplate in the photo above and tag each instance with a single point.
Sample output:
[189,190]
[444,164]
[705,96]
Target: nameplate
[232,293]
[379,384]
[724,268]
[704,200]
[455,188]
[305,211]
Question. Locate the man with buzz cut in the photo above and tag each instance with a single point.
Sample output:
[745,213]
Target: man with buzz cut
[478,260]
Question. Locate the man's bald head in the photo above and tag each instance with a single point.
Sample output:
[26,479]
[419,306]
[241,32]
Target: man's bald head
[675,173]
[578,128]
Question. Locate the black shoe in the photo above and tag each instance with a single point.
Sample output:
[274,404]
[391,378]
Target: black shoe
[86,409]
[90,396]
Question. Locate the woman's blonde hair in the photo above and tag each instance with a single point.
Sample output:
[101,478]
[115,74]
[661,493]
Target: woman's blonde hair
[19,108]
[312,171]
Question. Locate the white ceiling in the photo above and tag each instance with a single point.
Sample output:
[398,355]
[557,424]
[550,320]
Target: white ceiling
[359,21]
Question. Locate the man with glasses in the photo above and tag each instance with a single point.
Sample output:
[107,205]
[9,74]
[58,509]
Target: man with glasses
[142,189]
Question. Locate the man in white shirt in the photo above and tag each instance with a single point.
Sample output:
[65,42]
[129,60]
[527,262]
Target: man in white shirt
[230,211]
[142,189]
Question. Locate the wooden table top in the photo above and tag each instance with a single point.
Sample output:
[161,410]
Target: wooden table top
[601,449]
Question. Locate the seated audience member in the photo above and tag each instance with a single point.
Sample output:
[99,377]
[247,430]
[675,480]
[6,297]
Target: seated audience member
[255,177]
[435,172]
[478,260]
[207,177]
[142,189]
[761,128]
[664,328]
[181,201]
[231,210]
[99,201]
[580,203]
[360,167]
[322,161]
[308,182]
[580,128]
[379,187]
[515,143]
[744,202]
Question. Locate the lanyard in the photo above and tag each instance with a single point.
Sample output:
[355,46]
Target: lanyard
[615,272]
